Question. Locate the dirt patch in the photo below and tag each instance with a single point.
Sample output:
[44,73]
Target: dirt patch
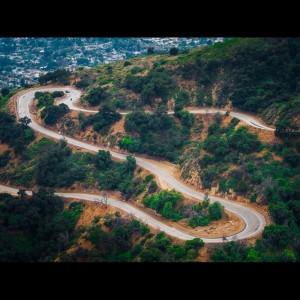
[204,255]
[4,147]
[265,136]
[214,92]
[92,210]
[118,127]
[226,120]
[229,225]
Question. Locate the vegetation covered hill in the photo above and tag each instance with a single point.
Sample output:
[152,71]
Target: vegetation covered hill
[39,228]
[216,153]
[260,75]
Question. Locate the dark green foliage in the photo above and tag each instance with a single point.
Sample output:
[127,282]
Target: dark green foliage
[61,76]
[130,144]
[174,51]
[102,120]
[119,103]
[298,145]
[52,164]
[135,70]
[280,212]
[112,245]
[208,176]
[4,158]
[36,229]
[158,134]
[206,160]
[150,50]
[250,77]
[203,213]
[152,187]
[182,99]
[288,256]
[194,244]
[83,83]
[46,99]
[165,203]
[187,119]
[272,248]
[57,94]
[103,160]
[120,176]
[5,91]
[231,252]
[96,96]
[127,63]
[278,236]
[52,114]
[15,135]
[243,141]
[157,83]
[215,211]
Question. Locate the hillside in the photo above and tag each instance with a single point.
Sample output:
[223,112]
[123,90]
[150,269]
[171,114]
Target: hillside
[259,75]
[215,153]
[44,228]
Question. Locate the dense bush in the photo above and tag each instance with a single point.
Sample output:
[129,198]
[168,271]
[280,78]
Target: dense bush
[203,213]
[36,229]
[54,165]
[83,83]
[51,114]
[165,203]
[127,63]
[157,83]
[125,240]
[47,99]
[4,158]
[96,96]
[61,76]
[16,135]
[155,134]
[102,120]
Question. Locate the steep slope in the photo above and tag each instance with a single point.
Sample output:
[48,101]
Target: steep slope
[260,75]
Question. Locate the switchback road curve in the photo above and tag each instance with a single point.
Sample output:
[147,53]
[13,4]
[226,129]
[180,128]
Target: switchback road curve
[254,221]
[246,118]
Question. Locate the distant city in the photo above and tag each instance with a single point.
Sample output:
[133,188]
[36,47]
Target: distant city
[22,60]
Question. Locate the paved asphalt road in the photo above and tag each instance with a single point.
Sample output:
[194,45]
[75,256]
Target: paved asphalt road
[251,121]
[254,221]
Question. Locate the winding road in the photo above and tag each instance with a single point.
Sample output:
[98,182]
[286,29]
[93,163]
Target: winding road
[254,222]
[246,118]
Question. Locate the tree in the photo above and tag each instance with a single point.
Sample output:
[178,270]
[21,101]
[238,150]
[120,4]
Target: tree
[150,50]
[195,244]
[127,63]
[5,91]
[253,255]
[96,96]
[215,211]
[52,114]
[173,51]
[279,212]
[103,160]
[130,163]
[288,256]
[206,200]
[278,236]
[187,119]
[4,158]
